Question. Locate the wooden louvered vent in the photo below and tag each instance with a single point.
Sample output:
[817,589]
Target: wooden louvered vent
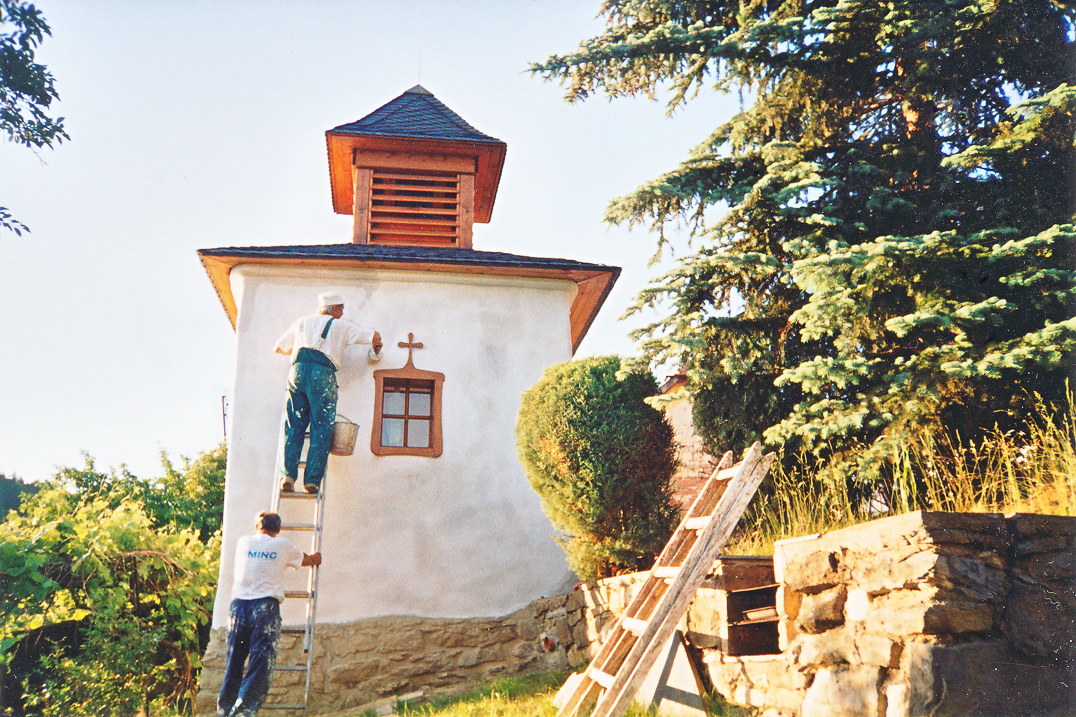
[415,207]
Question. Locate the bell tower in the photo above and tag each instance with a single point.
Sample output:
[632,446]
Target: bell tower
[414,173]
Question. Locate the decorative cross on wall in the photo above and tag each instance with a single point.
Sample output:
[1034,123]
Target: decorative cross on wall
[410,345]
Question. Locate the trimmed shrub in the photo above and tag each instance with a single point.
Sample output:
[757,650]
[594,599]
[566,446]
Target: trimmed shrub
[602,461]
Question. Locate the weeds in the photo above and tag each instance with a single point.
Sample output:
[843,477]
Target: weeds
[1032,470]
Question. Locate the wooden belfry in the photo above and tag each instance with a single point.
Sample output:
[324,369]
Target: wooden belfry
[412,172]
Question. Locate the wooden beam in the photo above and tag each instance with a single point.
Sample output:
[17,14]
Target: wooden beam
[409,160]
[466,211]
[363,180]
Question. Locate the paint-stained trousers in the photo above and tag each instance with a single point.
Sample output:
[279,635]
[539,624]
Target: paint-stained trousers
[312,394]
[252,632]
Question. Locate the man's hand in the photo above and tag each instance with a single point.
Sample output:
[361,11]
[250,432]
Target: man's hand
[311,560]
[377,343]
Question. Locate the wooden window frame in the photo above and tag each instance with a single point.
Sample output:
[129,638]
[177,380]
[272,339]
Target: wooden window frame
[407,373]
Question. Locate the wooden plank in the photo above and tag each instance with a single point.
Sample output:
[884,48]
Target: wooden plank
[634,625]
[410,160]
[383,208]
[602,678]
[466,210]
[734,501]
[360,226]
[696,523]
[666,572]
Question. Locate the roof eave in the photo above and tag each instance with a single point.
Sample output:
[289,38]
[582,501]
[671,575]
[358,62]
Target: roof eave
[593,284]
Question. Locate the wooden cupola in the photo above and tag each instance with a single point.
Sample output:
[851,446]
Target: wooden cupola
[413,173]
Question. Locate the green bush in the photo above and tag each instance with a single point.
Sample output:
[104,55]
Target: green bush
[602,461]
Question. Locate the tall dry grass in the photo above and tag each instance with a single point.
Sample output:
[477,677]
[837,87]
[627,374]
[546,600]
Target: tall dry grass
[1029,470]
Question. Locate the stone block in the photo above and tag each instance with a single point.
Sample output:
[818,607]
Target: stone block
[1025,524]
[1041,544]
[822,611]
[877,650]
[807,566]
[1056,567]
[835,647]
[844,692]
[857,605]
[914,612]
[984,679]
[1037,622]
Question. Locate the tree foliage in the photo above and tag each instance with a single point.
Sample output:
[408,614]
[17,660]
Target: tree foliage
[602,461]
[27,88]
[106,589]
[11,492]
[894,251]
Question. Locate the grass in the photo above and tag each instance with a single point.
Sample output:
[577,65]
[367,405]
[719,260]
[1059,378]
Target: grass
[1032,470]
[527,696]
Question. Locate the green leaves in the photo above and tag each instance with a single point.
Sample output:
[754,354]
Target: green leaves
[119,565]
[894,256]
[601,459]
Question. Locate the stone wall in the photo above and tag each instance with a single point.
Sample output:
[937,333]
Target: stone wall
[921,614]
[361,662]
[935,614]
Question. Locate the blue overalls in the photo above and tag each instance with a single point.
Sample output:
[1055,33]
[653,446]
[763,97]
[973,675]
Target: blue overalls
[312,394]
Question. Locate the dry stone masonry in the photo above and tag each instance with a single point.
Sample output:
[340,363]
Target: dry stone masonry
[924,614]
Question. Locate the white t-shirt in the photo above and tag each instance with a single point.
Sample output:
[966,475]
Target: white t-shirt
[260,561]
[305,333]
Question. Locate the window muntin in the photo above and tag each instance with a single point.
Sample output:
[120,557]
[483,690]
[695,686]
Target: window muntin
[406,413]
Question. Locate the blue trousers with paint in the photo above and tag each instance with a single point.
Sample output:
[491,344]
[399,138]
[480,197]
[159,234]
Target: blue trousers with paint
[252,632]
[312,395]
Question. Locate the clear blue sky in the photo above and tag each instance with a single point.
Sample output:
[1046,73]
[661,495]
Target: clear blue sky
[201,124]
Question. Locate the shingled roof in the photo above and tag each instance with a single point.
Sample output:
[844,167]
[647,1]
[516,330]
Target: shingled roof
[594,281]
[416,113]
[415,124]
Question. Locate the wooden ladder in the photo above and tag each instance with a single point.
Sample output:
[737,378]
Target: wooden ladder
[310,594]
[615,674]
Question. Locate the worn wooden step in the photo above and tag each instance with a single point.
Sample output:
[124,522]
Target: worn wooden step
[602,678]
[304,594]
[633,625]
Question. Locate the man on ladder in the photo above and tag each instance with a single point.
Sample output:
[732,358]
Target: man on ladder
[317,343]
[254,624]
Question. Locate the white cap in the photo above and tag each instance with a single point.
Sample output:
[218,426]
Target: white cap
[330,298]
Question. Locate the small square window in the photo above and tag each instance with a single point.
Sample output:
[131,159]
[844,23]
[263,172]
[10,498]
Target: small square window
[407,412]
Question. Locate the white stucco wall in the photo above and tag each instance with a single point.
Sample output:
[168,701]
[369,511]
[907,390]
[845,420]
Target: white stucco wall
[462,535]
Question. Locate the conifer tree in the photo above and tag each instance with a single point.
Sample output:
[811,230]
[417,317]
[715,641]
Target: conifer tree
[895,254]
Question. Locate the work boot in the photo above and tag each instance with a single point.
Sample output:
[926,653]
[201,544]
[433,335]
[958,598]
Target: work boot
[311,488]
[287,485]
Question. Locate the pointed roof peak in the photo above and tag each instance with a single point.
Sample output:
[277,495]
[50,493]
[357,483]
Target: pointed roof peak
[415,114]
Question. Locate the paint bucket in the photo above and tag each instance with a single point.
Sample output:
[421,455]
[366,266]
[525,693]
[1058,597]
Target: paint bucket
[344,434]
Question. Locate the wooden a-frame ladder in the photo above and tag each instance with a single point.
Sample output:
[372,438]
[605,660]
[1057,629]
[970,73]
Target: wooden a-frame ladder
[615,674]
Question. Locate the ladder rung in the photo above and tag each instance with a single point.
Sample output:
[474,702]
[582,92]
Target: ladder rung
[298,494]
[293,631]
[697,523]
[290,668]
[602,678]
[297,594]
[666,572]
[297,526]
[633,625]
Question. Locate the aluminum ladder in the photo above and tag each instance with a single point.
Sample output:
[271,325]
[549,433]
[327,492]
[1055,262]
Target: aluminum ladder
[614,675]
[310,594]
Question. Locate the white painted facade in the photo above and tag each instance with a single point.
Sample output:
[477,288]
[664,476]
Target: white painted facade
[461,535]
